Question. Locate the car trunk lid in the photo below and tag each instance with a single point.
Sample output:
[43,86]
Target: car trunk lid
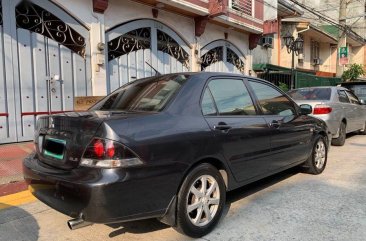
[61,139]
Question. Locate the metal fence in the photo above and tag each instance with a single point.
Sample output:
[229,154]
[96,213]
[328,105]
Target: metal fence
[277,77]
[301,79]
[309,80]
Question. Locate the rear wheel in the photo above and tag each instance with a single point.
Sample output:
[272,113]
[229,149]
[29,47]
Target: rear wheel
[318,160]
[200,201]
[342,136]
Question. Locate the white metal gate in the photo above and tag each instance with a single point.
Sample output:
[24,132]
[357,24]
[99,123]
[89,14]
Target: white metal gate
[47,53]
[135,45]
[222,56]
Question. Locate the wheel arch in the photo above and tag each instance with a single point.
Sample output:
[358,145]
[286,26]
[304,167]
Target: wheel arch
[169,217]
[214,161]
[326,136]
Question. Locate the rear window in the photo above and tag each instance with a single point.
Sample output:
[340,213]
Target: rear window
[311,94]
[151,94]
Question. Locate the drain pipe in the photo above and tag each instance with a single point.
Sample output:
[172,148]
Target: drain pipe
[77,223]
[307,28]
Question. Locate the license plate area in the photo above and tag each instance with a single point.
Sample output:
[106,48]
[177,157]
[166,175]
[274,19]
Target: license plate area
[54,148]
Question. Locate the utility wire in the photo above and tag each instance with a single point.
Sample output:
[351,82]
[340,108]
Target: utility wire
[347,29]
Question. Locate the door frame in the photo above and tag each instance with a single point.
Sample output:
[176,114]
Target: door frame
[225,45]
[12,59]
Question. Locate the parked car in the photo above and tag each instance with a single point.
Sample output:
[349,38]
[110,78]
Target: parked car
[337,106]
[358,88]
[170,147]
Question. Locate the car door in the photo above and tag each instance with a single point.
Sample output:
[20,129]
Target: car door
[243,136]
[346,110]
[291,133]
[358,112]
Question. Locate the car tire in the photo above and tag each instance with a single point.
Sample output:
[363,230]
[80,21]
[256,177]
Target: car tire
[342,136]
[317,161]
[195,201]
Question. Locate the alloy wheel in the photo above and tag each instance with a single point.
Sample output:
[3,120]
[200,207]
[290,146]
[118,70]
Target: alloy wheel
[320,154]
[203,200]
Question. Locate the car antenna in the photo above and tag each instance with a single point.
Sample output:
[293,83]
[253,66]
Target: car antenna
[157,73]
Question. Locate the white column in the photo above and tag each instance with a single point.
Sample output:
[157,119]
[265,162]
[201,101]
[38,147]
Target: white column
[98,58]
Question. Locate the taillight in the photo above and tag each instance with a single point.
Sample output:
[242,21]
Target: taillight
[322,109]
[98,148]
[108,154]
[110,150]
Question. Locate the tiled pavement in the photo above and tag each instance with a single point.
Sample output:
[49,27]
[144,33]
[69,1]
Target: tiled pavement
[11,156]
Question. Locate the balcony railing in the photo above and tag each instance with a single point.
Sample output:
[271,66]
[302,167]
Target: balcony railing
[242,6]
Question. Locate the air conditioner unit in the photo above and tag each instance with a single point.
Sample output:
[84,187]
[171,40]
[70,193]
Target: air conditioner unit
[316,61]
[267,41]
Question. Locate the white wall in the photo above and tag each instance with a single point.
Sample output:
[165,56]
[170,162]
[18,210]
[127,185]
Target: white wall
[270,9]
[119,12]
[81,10]
[122,11]
[267,55]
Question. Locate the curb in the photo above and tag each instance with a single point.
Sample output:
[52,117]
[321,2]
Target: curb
[11,188]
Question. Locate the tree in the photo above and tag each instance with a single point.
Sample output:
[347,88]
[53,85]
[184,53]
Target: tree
[283,86]
[353,72]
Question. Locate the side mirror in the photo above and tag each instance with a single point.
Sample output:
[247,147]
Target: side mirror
[306,109]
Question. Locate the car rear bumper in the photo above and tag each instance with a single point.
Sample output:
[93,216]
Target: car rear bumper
[102,195]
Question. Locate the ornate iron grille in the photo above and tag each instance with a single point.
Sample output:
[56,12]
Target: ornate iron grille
[129,42]
[168,45]
[36,19]
[234,59]
[212,56]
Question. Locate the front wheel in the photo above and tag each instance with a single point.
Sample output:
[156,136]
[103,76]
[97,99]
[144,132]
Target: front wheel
[201,200]
[318,159]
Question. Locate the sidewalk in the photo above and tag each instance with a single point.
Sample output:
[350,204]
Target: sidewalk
[11,176]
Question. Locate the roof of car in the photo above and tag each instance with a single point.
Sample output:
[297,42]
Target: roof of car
[354,83]
[205,76]
[224,74]
[322,87]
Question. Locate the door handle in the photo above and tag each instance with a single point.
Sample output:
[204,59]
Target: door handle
[275,124]
[222,126]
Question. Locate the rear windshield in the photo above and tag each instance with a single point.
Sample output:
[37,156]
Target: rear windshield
[311,94]
[151,94]
[358,90]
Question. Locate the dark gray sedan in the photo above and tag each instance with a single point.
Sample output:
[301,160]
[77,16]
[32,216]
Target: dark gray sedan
[170,147]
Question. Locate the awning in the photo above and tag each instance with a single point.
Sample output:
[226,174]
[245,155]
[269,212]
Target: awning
[269,67]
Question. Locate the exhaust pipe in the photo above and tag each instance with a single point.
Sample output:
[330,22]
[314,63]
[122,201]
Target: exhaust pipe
[77,223]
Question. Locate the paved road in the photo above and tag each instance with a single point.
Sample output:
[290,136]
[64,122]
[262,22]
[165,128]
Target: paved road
[289,206]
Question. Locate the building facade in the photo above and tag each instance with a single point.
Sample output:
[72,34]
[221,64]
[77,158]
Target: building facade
[320,51]
[54,51]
